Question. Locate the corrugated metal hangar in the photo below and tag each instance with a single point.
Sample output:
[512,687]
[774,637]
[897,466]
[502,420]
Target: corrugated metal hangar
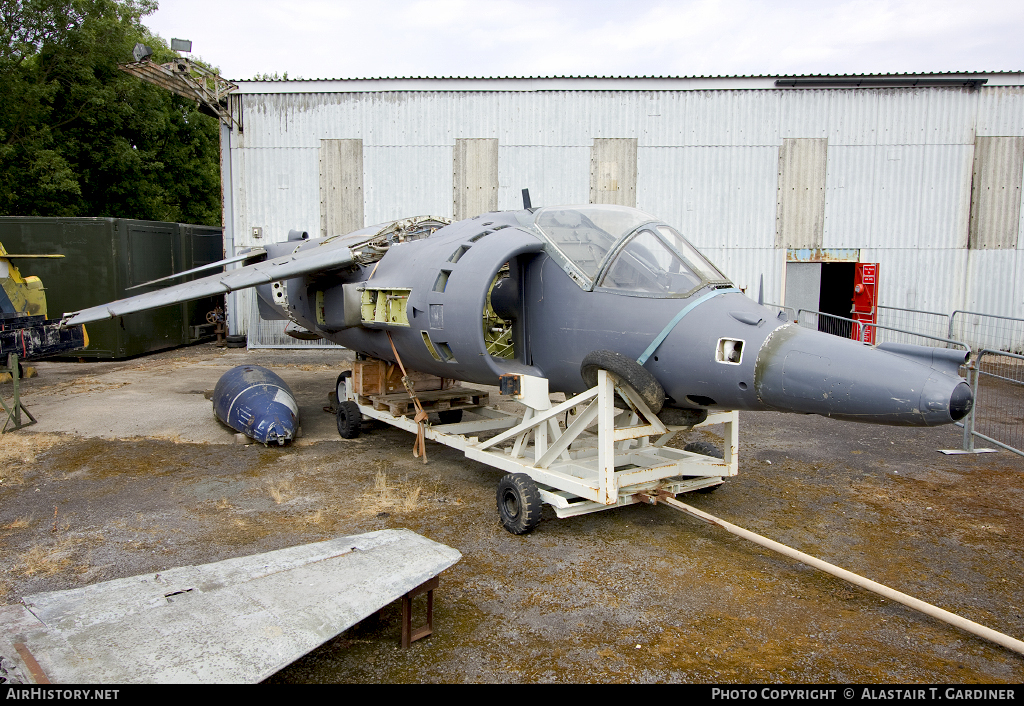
[792,178]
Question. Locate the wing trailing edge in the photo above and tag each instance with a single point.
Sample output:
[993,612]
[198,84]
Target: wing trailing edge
[308,258]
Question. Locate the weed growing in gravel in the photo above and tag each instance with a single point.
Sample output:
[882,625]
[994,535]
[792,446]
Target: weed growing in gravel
[390,496]
[47,560]
[20,450]
[280,491]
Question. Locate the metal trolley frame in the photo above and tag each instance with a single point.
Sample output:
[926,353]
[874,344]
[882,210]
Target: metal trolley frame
[604,458]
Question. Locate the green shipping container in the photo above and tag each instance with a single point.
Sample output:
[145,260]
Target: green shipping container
[105,256]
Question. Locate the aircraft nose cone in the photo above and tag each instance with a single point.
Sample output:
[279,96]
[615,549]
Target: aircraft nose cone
[960,402]
[811,372]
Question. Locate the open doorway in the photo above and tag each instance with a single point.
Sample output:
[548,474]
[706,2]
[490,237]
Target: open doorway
[820,288]
[836,297]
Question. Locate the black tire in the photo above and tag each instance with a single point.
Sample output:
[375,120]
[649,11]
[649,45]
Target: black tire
[237,341]
[518,503]
[349,419]
[705,448]
[343,378]
[673,416]
[450,416]
[628,371]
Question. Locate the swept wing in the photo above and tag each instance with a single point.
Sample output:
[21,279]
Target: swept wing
[307,258]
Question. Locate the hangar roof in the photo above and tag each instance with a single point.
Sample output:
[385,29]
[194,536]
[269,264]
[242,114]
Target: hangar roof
[969,79]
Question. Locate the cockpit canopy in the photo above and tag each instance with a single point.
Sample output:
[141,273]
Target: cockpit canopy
[625,250]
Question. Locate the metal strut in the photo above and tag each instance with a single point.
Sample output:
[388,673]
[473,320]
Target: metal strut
[14,410]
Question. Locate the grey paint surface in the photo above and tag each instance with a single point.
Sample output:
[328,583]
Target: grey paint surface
[446,277]
[995,192]
[341,186]
[474,177]
[233,621]
[801,200]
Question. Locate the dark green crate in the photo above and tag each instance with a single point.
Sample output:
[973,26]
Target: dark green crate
[105,256]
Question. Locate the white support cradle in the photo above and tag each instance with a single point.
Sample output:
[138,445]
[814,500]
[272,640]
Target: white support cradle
[577,469]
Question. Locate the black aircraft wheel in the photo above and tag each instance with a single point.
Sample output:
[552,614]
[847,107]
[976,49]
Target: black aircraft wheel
[705,448]
[450,416]
[628,371]
[237,341]
[341,384]
[518,503]
[349,419]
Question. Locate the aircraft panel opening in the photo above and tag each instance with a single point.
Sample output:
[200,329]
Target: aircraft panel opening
[430,346]
[457,255]
[442,280]
[700,400]
[499,336]
[729,351]
[446,352]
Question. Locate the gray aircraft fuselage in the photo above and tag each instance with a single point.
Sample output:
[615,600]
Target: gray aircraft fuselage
[535,291]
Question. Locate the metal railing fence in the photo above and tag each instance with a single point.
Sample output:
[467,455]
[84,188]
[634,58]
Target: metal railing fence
[997,381]
[790,311]
[829,323]
[995,333]
[898,319]
[890,334]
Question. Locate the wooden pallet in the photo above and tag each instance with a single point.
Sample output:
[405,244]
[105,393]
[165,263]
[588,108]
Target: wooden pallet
[401,405]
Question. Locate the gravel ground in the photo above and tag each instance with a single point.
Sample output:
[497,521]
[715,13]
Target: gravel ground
[128,473]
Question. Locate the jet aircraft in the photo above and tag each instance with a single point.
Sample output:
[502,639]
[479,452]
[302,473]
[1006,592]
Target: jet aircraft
[559,292]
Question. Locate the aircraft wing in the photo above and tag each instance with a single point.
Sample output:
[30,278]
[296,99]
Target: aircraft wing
[306,260]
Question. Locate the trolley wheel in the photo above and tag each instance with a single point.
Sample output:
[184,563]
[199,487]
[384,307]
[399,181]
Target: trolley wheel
[237,341]
[628,371]
[518,503]
[339,385]
[450,416]
[349,419]
[705,448]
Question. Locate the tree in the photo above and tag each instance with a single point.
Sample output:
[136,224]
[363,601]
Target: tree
[79,137]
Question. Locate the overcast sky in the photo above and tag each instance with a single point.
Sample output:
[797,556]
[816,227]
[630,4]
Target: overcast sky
[371,38]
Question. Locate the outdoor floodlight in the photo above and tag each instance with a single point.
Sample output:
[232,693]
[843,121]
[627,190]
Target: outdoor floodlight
[141,51]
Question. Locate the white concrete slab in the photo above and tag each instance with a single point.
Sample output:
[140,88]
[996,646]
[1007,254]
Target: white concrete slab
[233,621]
[166,402]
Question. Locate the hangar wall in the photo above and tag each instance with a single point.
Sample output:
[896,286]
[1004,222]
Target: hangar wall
[925,181]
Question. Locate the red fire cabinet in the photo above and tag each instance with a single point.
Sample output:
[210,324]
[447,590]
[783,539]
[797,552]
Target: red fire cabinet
[865,286]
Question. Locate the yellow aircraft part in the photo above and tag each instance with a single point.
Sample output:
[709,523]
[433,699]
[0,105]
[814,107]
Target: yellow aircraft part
[25,293]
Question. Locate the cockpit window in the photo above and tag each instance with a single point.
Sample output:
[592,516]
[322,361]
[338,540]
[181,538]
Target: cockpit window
[585,234]
[659,266]
[645,264]
[691,256]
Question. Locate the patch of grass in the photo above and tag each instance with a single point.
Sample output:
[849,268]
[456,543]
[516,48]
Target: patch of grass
[47,560]
[390,496]
[20,523]
[280,491]
[20,450]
